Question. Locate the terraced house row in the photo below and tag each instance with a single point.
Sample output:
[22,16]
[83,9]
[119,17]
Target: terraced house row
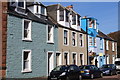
[36,38]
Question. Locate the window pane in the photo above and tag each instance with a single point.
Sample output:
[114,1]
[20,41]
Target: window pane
[26,29]
[42,10]
[21,4]
[61,15]
[67,16]
[73,38]
[65,58]
[81,42]
[26,61]
[50,33]
[74,19]
[65,37]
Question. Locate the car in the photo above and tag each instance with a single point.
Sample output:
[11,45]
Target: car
[65,72]
[108,69]
[117,63]
[90,71]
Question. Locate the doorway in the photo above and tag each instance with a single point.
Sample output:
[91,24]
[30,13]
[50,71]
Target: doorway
[50,61]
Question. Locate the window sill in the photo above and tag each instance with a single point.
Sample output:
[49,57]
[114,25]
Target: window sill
[81,46]
[66,44]
[26,71]
[29,40]
[50,42]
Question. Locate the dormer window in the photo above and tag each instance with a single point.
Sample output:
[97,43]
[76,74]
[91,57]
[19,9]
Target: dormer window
[37,9]
[73,19]
[90,23]
[40,10]
[18,3]
[61,15]
[78,20]
[43,10]
[21,4]
[67,15]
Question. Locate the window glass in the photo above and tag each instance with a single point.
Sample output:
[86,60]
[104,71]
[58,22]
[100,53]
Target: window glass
[65,37]
[61,15]
[42,10]
[73,19]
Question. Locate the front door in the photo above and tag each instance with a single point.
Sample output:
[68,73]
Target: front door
[50,62]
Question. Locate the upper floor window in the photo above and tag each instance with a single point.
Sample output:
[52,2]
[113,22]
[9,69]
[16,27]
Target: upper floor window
[107,47]
[65,37]
[113,46]
[94,41]
[73,38]
[67,15]
[26,29]
[78,20]
[61,15]
[42,10]
[37,9]
[73,19]
[90,23]
[90,41]
[18,3]
[101,43]
[50,34]
[81,39]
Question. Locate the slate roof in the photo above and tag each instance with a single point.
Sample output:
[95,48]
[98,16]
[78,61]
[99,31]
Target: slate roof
[101,34]
[29,15]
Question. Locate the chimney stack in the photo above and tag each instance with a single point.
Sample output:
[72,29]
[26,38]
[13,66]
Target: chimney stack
[85,17]
[70,7]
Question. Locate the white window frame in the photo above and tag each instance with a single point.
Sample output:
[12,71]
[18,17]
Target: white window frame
[107,45]
[82,40]
[30,31]
[67,37]
[21,1]
[113,46]
[63,15]
[35,9]
[101,43]
[75,38]
[82,58]
[52,33]
[30,60]
[76,57]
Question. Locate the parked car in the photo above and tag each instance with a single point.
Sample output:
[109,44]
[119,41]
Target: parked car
[64,72]
[90,71]
[109,69]
[117,63]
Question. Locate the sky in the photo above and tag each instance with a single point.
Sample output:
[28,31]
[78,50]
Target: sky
[106,13]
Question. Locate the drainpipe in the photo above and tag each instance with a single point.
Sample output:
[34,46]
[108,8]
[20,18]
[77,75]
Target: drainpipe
[87,42]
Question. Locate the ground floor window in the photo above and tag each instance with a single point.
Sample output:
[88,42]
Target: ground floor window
[81,59]
[66,58]
[74,57]
[26,61]
[58,59]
